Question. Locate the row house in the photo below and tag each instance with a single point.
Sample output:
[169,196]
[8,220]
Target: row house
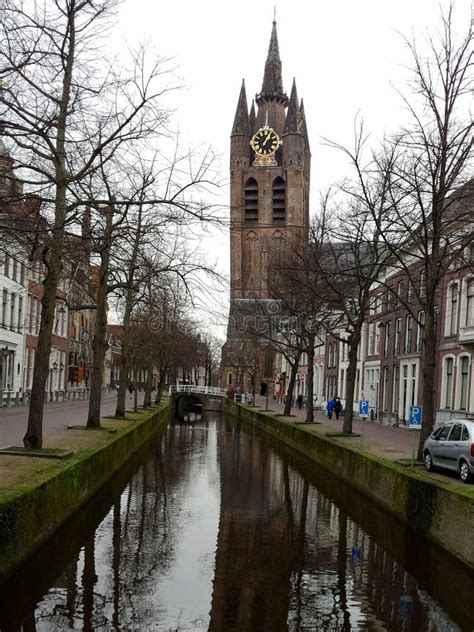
[21,291]
[389,360]
[13,292]
[389,356]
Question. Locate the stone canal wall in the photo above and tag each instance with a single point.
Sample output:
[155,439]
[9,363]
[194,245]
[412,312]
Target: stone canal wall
[442,513]
[31,516]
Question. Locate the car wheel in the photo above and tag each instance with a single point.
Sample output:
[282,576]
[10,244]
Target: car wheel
[428,462]
[464,472]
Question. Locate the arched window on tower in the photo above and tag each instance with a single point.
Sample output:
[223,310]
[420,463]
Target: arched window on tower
[279,200]
[251,200]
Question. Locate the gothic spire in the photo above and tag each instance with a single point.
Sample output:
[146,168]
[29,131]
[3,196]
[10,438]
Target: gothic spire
[272,86]
[304,129]
[252,117]
[241,120]
[292,114]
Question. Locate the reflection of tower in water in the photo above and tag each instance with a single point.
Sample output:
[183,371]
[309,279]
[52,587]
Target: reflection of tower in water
[251,582]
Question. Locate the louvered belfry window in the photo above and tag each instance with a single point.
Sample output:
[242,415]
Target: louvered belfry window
[251,200]
[279,200]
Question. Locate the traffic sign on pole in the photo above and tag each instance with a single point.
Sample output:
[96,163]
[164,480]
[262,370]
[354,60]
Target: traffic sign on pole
[415,419]
[363,407]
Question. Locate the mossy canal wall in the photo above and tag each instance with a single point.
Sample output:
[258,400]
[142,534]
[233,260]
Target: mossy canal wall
[31,516]
[442,513]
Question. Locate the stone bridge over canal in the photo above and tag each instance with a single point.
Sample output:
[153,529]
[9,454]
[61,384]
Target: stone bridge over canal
[189,401]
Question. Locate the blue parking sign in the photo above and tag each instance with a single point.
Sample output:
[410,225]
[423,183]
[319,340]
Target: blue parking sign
[363,407]
[416,417]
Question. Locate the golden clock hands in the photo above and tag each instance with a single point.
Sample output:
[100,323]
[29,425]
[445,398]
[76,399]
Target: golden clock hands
[266,139]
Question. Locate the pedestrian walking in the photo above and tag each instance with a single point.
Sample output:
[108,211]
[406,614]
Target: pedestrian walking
[131,388]
[299,399]
[330,407]
[337,407]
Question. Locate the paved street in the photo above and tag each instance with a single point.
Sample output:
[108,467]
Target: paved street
[387,441]
[56,417]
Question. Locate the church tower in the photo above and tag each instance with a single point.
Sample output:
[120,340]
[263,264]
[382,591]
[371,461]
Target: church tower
[269,217]
[269,182]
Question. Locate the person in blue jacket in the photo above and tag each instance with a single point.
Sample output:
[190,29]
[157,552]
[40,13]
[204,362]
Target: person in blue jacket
[330,407]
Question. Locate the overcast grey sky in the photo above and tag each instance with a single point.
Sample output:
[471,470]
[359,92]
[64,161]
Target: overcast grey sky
[346,57]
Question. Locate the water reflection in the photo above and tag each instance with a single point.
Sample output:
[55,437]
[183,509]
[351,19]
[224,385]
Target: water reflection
[216,528]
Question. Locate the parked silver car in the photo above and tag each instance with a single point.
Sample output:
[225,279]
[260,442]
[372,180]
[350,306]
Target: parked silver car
[451,446]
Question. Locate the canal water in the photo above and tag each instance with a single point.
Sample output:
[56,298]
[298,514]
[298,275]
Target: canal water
[215,527]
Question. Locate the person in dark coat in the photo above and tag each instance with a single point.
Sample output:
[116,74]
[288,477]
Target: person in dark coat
[299,399]
[337,407]
[330,407]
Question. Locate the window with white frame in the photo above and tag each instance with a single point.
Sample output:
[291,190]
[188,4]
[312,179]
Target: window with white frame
[413,384]
[12,310]
[453,298]
[398,336]
[20,314]
[371,338]
[470,303]
[386,350]
[410,292]
[4,308]
[421,330]
[399,292]
[422,284]
[448,382]
[386,386]
[396,389]
[463,382]
[408,333]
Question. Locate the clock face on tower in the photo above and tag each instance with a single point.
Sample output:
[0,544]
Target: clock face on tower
[265,141]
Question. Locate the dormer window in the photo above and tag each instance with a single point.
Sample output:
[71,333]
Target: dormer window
[251,200]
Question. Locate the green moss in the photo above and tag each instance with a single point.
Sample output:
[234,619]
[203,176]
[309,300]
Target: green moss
[411,494]
[30,513]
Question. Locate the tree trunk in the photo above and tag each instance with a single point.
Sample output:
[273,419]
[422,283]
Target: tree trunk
[135,390]
[34,433]
[310,389]
[428,369]
[99,343]
[159,390]
[291,386]
[148,386]
[127,317]
[350,382]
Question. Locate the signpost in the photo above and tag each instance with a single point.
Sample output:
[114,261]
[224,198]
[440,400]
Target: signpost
[363,407]
[363,414]
[415,421]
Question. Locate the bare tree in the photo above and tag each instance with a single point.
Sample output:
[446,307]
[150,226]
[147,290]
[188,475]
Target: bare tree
[432,205]
[67,112]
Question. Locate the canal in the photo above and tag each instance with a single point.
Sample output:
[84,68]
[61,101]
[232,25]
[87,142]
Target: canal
[214,527]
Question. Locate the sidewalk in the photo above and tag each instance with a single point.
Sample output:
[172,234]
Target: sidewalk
[386,441]
[57,416]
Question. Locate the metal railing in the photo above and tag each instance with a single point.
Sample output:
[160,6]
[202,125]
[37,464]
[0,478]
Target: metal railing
[201,390]
[22,398]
